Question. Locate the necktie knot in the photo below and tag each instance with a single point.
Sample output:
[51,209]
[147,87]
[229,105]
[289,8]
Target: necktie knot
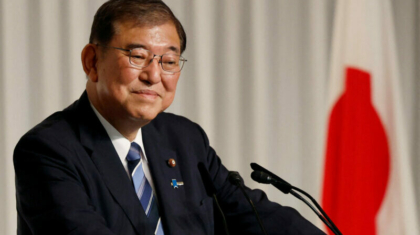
[134,152]
[133,157]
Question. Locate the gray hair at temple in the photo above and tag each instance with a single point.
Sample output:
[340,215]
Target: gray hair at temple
[141,12]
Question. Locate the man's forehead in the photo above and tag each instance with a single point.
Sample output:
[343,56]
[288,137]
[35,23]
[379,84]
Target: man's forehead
[123,29]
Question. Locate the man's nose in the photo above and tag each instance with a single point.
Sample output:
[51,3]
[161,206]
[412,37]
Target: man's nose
[153,71]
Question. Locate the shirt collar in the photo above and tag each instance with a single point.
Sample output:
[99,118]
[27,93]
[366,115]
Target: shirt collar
[121,144]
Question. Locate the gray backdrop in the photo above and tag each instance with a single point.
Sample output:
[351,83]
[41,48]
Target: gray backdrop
[255,80]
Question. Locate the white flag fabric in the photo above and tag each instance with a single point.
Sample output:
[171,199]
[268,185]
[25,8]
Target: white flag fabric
[368,186]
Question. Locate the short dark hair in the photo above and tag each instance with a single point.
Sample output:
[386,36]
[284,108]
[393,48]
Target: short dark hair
[142,12]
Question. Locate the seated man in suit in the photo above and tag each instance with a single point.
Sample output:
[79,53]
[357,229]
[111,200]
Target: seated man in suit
[114,163]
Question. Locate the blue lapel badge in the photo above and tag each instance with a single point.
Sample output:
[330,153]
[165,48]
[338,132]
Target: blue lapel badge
[176,184]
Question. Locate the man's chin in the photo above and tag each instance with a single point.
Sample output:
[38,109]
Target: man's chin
[144,117]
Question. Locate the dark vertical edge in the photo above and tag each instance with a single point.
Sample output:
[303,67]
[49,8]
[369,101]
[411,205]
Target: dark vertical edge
[245,85]
[415,158]
[64,50]
[189,72]
[406,18]
[273,58]
[306,105]
[220,61]
[330,19]
[3,156]
[35,64]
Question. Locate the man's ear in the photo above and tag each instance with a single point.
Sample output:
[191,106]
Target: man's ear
[89,59]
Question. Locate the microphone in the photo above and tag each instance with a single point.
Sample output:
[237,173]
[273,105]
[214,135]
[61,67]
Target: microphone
[287,186]
[262,175]
[236,179]
[211,191]
[264,178]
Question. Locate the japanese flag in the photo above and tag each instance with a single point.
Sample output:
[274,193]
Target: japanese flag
[368,187]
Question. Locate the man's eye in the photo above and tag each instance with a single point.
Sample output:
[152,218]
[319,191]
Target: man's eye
[140,57]
[170,62]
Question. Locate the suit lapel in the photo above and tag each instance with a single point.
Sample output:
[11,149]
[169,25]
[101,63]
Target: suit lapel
[158,154]
[95,139]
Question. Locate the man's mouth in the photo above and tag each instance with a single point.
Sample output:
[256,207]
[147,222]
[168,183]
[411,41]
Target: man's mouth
[146,93]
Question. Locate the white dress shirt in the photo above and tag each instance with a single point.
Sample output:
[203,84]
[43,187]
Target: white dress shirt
[122,146]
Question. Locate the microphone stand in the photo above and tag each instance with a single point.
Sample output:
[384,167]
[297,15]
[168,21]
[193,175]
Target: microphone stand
[211,191]
[236,179]
[286,188]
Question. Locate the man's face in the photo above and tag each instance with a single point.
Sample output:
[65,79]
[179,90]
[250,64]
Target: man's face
[126,92]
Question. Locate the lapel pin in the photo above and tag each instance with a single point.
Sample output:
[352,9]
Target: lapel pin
[176,184]
[171,162]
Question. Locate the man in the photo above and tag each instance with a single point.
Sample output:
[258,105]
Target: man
[114,163]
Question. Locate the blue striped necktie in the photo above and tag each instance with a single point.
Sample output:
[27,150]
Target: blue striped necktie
[143,189]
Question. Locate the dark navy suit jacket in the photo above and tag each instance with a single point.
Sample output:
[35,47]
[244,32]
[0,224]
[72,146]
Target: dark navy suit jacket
[70,180]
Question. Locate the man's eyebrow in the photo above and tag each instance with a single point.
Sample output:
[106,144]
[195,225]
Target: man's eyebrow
[174,49]
[136,45]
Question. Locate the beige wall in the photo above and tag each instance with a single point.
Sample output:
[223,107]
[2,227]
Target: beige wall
[255,80]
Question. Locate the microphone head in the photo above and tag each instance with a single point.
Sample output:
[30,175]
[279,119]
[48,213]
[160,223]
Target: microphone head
[273,176]
[256,167]
[265,178]
[262,177]
[234,177]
